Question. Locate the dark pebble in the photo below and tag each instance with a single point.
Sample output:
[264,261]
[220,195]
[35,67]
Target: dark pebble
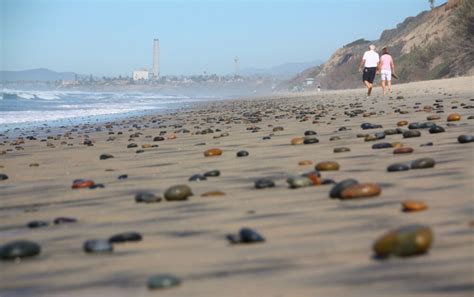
[3,176]
[398,167]
[382,145]
[146,197]
[340,186]
[411,133]
[427,144]
[264,183]
[341,149]
[105,156]
[64,220]
[162,281]
[465,138]
[310,140]
[97,186]
[132,145]
[246,235]
[423,163]
[98,246]
[37,224]
[124,237]
[19,249]
[212,173]
[436,129]
[178,193]
[242,154]
[310,132]
[123,176]
[158,138]
[197,177]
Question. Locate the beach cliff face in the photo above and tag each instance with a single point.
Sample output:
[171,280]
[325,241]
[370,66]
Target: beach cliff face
[427,46]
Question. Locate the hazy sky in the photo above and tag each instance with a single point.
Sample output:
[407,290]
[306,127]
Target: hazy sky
[116,37]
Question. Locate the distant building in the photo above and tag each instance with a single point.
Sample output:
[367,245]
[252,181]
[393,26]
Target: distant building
[156,58]
[309,81]
[140,75]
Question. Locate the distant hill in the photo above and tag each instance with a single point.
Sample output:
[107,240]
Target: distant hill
[283,70]
[434,44]
[40,74]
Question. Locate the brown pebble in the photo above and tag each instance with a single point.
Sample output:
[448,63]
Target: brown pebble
[83,184]
[172,136]
[433,117]
[412,205]
[314,178]
[297,140]
[305,162]
[402,123]
[34,165]
[403,150]
[397,144]
[146,145]
[454,117]
[361,191]
[212,194]
[327,166]
[213,152]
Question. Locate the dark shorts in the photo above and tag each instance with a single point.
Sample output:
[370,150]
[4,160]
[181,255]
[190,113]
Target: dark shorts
[369,74]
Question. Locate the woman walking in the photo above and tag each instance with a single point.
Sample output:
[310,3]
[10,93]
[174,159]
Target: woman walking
[386,68]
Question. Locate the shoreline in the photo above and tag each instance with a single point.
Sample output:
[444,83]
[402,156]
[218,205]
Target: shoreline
[314,245]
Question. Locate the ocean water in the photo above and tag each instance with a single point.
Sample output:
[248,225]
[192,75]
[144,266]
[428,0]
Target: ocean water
[19,108]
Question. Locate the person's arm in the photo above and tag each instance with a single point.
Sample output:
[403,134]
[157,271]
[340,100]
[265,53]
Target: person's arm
[362,62]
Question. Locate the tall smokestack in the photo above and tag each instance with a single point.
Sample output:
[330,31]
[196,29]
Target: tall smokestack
[156,58]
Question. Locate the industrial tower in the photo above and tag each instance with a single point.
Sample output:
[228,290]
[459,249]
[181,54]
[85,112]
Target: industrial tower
[156,58]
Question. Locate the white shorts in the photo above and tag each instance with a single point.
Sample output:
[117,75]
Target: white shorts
[385,74]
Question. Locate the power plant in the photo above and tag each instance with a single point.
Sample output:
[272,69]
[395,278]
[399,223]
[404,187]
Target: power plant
[156,58]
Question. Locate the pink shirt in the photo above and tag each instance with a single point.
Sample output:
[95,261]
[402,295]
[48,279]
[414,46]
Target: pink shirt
[386,61]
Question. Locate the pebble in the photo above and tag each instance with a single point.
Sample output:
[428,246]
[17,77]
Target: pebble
[162,281]
[105,156]
[404,242]
[334,138]
[297,140]
[263,183]
[423,163]
[213,152]
[124,237]
[19,249]
[3,176]
[82,183]
[382,145]
[34,165]
[98,246]
[461,139]
[246,235]
[212,173]
[411,133]
[366,126]
[309,132]
[402,123]
[132,145]
[97,186]
[314,177]
[299,182]
[212,194]
[327,166]
[340,186]
[158,138]
[310,140]
[123,176]
[453,117]
[436,129]
[433,117]
[178,193]
[412,205]
[197,177]
[361,191]
[398,167]
[242,154]
[37,224]
[305,162]
[147,197]
[403,150]
[64,220]
[341,149]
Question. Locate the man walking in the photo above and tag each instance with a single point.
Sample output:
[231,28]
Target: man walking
[370,60]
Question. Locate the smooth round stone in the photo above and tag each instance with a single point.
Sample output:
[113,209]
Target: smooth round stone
[411,133]
[212,173]
[242,154]
[433,117]
[197,177]
[423,163]
[305,163]
[64,220]
[123,176]
[124,237]
[404,242]
[403,150]
[97,246]
[310,140]
[299,182]
[413,205]
[37,224]
[162,281]
[454,117]
[158,138]
[366,126]
[297,140]
[327,166]
[19,249]
[82,183]
[379,135]
[139,151]
[361,191]
[402,123]
[178,193]
[398,167]
[341,149]
[461,139]
[146,197]
[264,183]
[340,186]
[309,133]
[213,152]
[34,165]
[132,145]
[105,156]
[212,194]
[415,126]
[3,176]
[382,145]
[369,137]
[391,132]
[246,235]
[436,129]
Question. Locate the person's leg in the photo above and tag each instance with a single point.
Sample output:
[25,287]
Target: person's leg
[383,85]
[390,86]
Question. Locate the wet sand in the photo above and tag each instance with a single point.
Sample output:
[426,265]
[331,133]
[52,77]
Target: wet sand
[315,246]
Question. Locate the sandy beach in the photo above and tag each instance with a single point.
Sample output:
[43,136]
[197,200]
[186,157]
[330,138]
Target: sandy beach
[314,245]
